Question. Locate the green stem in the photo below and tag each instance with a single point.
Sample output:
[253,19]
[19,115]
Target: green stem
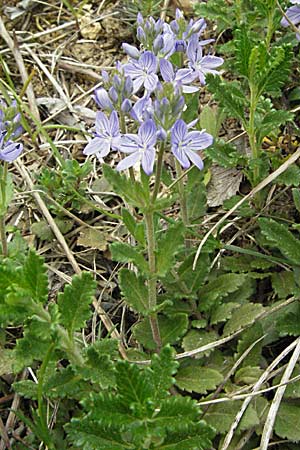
[123,130]
[152,295]
[182,196]
[42,372]
[3,184]
[158,171]
[251,133]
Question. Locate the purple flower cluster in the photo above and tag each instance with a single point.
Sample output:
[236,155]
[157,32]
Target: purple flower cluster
[10,129]
[293,15]
[160,86]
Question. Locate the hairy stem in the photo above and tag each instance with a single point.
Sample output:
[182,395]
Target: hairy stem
[182,196]
[152,295]
[3,184]
[158,171]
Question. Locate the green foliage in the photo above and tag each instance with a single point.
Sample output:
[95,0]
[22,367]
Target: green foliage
[8,191]
[134,290]
[167,246]
[279,236]
[194,378]
[287,424]
[216,290]
[224,154]
[242,317]
[137,230]
[74,302]
[125,253]
[135,416]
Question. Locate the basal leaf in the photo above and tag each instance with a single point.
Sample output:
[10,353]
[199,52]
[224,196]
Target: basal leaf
[214,291]
[284,284]
[288,323]
[195,378]
[287,424]
[248,375]
[125,253]
[280,237]
[221,415]
[222,312]
[34,277]
[194,279]
[74,303]
[243,316]
[195,339]
[172,328]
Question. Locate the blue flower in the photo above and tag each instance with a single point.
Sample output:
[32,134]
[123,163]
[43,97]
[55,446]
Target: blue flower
[293,14]
[182,77]
[141,148]
[201,65]
[107,136]
[9,150]
[185,144]
[143,72]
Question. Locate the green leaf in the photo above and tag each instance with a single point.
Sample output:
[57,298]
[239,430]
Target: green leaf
[131,191]
[289,322]
[279,236]
[195,339]
[246,339]
[134,290]
[224,154]
[222,312]
[172,328]
[163,368]
[125,253]
[219,288]
[34,277]
[221,415]
[287,424]
[293,387]
[271,121]
[74,303]
[9,192]
[210,120]
[242,317]
[284,283]
[167,247]
[195,378]
[194,279]
[248,375]
[243,46]
[290,177]
[136,229]
[296,198]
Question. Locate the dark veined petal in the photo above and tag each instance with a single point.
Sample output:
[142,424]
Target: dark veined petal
[102,99]
[129,143]
[148,157]
[147,133]
[293,13]
[11,151]
[102,124]
[148,62]
[198,140]
[138,83]
[114,124]
[210,62]
[151,82]
[179,132]
[181,156]
[195,158]
[166,70]
[129,161]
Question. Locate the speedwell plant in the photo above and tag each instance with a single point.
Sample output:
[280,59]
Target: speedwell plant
[142,118]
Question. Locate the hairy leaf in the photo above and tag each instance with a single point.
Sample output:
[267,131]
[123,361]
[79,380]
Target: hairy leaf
[125,253]
[287,424]
[198,379]
[242,317]
[167,247]
[74,302]
[134,290]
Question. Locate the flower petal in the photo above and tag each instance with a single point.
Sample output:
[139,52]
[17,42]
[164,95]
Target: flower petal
[129,143]
[148,158]
[151,81]
[102,124]
[97,145]
[179,132]
[195,158]
[198,140]
[147,133]
[148,62]
[114,124]
[181,157]
[129,161]
[11,151]
[166,70]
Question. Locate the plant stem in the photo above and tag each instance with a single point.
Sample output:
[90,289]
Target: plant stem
[123,130]
[158,171]
[182,197]
[152,297]
[3,184]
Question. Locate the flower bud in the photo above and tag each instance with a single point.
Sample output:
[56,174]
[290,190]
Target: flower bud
[113,94]
[140,19]
[105,76]
[158,44]
[140,34]
[131,51]
[161,134]
[180,46]
[128,87]
[102,99]
[126,105]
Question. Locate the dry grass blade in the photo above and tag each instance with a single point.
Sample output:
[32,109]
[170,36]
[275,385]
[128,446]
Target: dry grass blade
[268,428]
[256,387]
[251,194]
[13,46]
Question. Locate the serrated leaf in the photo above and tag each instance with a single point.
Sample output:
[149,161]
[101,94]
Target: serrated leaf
[210,120]
[271,121]
[27,389]
[289,323]
[195,378]
[196,201]
[279,236]
[243,47]
[126,253]
[248,375]
[194,279]
[163,368]
[222,312]
[223,154]
[134,290]
[136,229]
[93,238]
[172,328]
[247,338]
[220,416]
[242,317]
[283,283]
[6,361]
[167,247]
[293,387]
[290,177]
[74,302]
[42,230]
[34,277]
[287,423]
[217,289]
[195,339]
